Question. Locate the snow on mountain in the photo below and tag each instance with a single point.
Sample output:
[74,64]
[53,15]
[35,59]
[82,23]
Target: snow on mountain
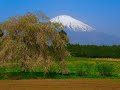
[81,33]
[72,24]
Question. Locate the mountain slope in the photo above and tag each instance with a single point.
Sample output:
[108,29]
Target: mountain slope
[71,23]
[84,34]
[93,38]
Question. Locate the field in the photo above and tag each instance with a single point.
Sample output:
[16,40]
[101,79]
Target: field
[78,84]
[76,68]
[83,74]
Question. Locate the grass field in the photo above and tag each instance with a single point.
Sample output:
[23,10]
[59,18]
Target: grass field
[76,67]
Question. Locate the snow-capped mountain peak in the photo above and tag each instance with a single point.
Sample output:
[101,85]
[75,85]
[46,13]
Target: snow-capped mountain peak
[72,24]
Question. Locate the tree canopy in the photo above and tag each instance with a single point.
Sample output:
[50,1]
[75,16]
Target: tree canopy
[30,38]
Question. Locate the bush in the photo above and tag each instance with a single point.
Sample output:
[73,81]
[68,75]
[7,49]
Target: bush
[84,69]
[105,69]
[2,71]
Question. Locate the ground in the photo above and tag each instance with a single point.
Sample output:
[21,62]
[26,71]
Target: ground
[76,84]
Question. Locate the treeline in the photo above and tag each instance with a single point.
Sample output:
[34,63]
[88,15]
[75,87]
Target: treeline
[93,51]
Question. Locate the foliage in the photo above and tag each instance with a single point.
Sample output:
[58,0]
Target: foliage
[105,69]
[93,66]
[93,51]
[30,40]
[1,33]
[84,69]
[2,71]
[88,67]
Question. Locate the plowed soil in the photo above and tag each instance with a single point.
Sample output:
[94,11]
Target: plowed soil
[78,84]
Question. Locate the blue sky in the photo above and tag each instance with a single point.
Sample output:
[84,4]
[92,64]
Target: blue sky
[103,15]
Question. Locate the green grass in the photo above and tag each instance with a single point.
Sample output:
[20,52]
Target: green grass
[74,64]
[77,68]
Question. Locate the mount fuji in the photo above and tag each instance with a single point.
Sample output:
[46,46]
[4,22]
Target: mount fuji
[72,24]
[81,33]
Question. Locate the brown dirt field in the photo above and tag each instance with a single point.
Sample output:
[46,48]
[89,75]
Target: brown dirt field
[78,84]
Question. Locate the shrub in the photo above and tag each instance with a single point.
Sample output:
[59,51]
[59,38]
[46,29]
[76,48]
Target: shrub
[2,71]
[105,69]
[84,69]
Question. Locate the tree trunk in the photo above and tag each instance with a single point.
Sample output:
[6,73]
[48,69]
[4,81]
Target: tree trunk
[23,63]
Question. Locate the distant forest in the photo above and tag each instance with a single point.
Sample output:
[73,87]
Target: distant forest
[93,51]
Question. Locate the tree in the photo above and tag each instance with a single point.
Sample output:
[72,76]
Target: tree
[28,39]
